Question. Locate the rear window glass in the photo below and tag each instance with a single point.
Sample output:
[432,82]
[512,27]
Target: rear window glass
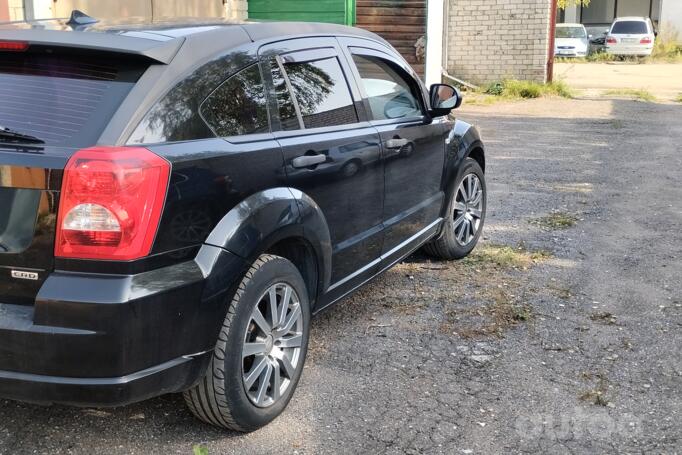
[630,28]
[61,100]
[238,106]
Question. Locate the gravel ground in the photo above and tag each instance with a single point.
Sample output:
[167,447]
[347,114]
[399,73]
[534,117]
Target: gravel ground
[561,334]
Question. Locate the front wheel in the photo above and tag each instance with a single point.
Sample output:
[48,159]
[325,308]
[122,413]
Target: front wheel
[261,349]
[465,214]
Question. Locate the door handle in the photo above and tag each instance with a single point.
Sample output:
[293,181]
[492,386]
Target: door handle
[308,160]
[396,143]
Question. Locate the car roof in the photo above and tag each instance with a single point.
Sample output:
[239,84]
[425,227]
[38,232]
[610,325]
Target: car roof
[160,39]
[631,18]
[565,24]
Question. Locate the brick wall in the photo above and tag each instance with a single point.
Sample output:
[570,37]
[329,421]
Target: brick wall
[491,40]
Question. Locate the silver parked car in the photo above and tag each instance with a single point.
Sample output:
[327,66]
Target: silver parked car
[571,40]
[631,36]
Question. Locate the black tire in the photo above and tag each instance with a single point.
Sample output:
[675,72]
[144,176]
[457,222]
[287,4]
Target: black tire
[446,246]
[220,398]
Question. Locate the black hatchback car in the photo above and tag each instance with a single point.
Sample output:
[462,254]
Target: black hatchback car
[177,200]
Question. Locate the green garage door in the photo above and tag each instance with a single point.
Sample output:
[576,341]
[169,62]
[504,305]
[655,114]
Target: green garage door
[334,11]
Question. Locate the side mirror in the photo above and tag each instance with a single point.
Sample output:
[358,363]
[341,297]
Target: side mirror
[444,98]
[589,36]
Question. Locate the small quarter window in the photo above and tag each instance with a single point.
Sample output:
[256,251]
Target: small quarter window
[321,92]
[238,106]
[389,94]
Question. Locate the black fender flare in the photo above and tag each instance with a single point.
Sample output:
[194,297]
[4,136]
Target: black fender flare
[461,141]
[269,216]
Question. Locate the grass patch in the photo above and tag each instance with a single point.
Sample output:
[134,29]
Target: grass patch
[638,94]
[595,57]
[514,89]
[505,256]
[667,47]
[555,220]
[597,394]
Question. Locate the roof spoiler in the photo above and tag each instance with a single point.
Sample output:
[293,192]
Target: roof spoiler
[160,49]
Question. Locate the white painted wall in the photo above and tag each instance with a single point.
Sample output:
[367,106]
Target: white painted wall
[434,42]
[39,9]
[571,14]
[671,15]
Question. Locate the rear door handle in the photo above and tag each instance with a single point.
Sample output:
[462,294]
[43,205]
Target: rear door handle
[396,143]
[308,160]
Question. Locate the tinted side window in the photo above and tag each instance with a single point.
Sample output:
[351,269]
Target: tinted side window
[321,92]
[238,106]
[389,93]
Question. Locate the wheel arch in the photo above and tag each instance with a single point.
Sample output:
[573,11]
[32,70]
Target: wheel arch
[278,221]
[463,141]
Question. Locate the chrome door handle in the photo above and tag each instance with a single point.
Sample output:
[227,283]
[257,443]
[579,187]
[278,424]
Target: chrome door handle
[396,143]
[308,160]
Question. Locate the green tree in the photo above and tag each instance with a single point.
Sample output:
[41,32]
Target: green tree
[564,3]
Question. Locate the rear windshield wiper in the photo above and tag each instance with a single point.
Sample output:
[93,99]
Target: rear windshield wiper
[8,135]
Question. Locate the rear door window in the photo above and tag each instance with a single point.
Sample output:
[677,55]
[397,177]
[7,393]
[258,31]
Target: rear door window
[238,106]
[630,28]
[320,90]
[63,100]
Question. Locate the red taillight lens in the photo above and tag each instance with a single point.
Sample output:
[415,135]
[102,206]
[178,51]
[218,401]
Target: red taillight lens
[611,40]
[645,40]
[110,204]
[15,46]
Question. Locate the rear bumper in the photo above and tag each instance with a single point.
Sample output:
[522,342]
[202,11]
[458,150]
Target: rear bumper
[630,50]
[107,340]
[171,376]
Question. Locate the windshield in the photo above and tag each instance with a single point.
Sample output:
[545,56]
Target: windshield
[629,28]
[570,32]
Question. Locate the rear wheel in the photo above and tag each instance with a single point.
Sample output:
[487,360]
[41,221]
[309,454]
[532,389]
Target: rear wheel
[261,349]
[465,215]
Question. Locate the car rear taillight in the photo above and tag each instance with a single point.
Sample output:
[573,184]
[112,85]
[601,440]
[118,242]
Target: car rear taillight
[611,40]
[13,46]
[645,40]
[110,204]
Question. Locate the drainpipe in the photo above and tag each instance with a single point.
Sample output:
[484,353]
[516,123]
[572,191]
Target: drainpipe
[552,34]
[433,67]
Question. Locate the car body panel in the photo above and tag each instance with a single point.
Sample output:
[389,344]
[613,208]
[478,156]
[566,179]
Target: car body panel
[152,325]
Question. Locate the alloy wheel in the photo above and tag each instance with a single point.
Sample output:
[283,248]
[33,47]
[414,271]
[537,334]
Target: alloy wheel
[272,345]
[468,209]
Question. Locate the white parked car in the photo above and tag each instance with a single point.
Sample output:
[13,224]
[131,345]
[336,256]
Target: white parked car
[571,40]
[631,36]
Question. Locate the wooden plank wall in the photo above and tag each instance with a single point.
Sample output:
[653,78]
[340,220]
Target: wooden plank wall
[400,22]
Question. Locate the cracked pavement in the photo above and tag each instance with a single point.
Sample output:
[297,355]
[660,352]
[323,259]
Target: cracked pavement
[575,350]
